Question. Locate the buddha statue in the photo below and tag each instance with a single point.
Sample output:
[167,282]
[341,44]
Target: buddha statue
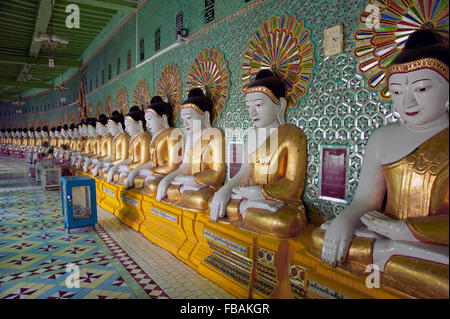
[2,136]
[265,195]
[398,219]
[24,140]
[92,143]
[38,139]
[202,171]
[165,148]
[105,146]
[44,137]
[119,148]
[53,137]
[139,148]
[60,139]
[80,142]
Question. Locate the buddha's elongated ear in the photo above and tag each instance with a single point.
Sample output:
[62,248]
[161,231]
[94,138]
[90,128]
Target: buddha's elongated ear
[207,119]
[165,121]
[282,114]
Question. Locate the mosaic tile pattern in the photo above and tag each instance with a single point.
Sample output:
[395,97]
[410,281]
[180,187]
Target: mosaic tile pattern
[35,251]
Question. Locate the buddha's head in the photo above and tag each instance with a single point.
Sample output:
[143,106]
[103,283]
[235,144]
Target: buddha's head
[2,132]
[116,123]
[8,133]
[91,124]
[197,111]
[158,115]
[84,128]
[52,132]
[135,121]
[70,130]
[101,125]
[58,132]
[418,80]
[44,132]
[37,133]
[64,131]
[30,132]
[266,100]
[24,132]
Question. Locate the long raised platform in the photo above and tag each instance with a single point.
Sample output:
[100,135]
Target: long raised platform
[245,263]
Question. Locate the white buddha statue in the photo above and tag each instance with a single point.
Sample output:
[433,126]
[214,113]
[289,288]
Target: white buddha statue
[407,238]
[102,132]
[91,144]
[266,193]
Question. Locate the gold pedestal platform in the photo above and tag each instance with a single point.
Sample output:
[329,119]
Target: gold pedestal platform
[130,211]
[111,202]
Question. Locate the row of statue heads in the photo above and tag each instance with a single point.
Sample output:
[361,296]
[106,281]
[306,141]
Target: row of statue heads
[399,213]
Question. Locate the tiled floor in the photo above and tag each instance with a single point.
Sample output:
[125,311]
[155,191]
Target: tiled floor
[175,278]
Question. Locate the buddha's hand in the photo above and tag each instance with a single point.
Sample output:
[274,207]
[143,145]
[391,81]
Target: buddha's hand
[218,207]
[111,173]
[96,168]
[146,172]
[249,192]
[185,180]
[391,228]
[130,178]
[338,237]
[161,192]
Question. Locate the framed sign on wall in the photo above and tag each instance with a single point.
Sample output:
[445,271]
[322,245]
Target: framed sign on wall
[333,177]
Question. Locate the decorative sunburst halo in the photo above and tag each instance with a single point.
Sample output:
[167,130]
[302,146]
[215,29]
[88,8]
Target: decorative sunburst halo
[90,109]
[98,108]
[66,118]
[122,100]
[108,105]
[283,45]
[385,26]
[169,87]
[141,95]
[72,117]
[210,73]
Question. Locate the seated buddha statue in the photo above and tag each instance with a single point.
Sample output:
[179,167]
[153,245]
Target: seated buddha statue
[16,139]
[31,140]
[105,144]
[265,195]
[44,138]
[80,142]
[24,140]
[64,141]
[139,147]
[72,140]
[398,219]
[202,171]
[53,137]
[119,148]
[92,144]
[165,148]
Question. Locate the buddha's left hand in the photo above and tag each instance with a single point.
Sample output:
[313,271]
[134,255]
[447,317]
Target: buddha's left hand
[249,192]
[391,228]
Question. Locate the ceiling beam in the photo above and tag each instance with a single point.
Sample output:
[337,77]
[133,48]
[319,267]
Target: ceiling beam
[43,17]
[14,59]
[29,84]
[118,5]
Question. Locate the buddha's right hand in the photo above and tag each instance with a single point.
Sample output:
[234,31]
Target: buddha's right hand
[218,207]
[111,173]
[96,168]
[338,237]
[161,192]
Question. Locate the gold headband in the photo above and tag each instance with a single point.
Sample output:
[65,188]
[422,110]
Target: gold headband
[426,63]
[152,111]
[192,106]
[264,90]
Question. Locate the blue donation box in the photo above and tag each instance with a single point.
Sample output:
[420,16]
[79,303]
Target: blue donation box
[78,201]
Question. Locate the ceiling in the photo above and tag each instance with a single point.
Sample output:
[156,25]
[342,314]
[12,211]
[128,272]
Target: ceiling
[24,62]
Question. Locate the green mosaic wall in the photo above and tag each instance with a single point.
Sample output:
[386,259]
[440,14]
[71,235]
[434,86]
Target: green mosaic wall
[338,109]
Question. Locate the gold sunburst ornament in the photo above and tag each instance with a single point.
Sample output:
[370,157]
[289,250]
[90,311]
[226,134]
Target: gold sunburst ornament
[122,100]
[98,108]
[384,26]
[141,95]
[284,46]
[210,73]
[169,87]
[108,105]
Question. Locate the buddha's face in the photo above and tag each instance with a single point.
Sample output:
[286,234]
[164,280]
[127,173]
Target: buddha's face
[101,129]
[75,133]
[262,110]
[63,133]
[192,120]
[44,134]
[37,134]
[84,130]
[8,134]
[91,130]
[419,96]
[113,128]
[154,122]
[52,134]
[24,134]
[132,127]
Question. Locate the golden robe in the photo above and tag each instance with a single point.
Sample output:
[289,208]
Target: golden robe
[207,166]
[120,147]
[417,188]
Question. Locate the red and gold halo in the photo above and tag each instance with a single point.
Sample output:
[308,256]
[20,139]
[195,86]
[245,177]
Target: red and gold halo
[169,87]
[141,95]
[283,45]
[377,45]
[108,105]
[122,100]
[210,73]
